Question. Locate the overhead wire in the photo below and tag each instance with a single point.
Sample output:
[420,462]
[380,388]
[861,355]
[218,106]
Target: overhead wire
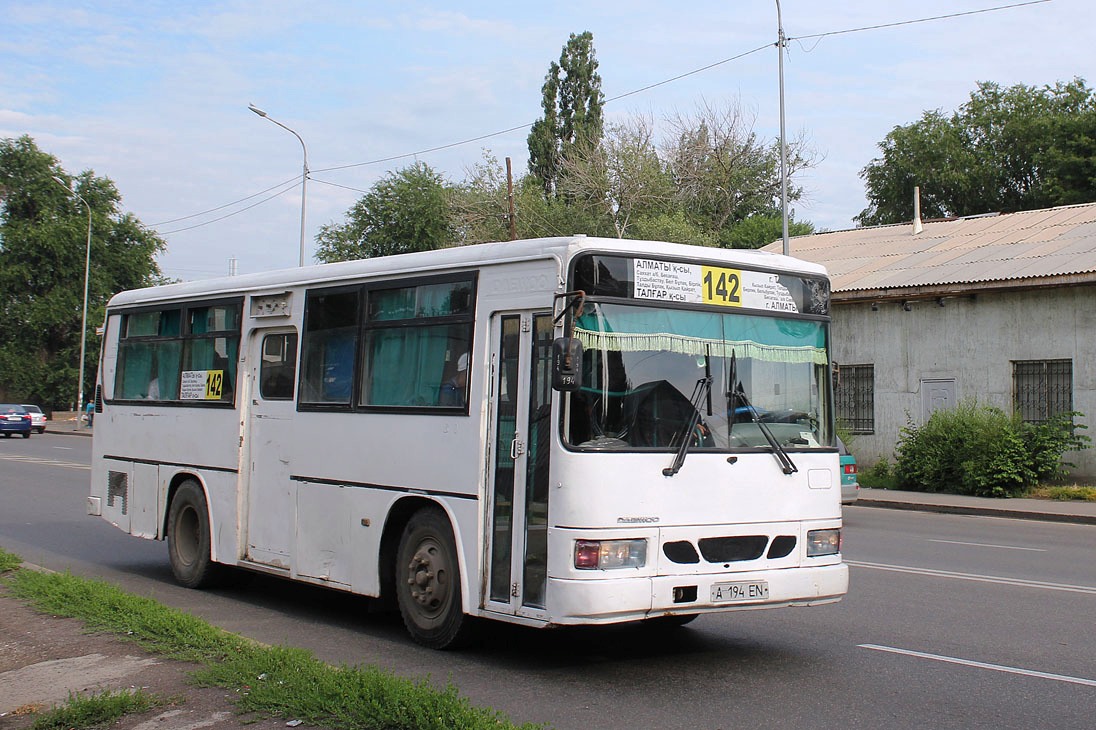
[226,205]
[618,97]
[228,215]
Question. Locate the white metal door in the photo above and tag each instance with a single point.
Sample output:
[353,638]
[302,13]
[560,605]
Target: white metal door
[517,500]
[271,502]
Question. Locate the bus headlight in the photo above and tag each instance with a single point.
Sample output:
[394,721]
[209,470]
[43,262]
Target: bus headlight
[610,554]
[823,542]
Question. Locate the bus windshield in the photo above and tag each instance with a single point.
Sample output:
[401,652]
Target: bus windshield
[646,371]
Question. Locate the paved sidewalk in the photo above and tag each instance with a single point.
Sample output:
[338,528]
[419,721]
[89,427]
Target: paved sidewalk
[1028,509]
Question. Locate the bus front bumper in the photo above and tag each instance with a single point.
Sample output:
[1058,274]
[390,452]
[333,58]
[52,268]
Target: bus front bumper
[615,600]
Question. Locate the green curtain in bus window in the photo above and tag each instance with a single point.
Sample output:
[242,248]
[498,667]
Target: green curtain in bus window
[142,324]
[442,300]
[169,356]
[150,370]
[135,369]
[214,353]
[406,366]
[171,323]
[218,318]
[770,339]
[390,304]
[418,302]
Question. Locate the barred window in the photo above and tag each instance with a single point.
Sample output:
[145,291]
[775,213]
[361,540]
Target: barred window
[854,391]
[1042,389]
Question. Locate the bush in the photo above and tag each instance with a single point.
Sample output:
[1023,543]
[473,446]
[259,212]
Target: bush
[879,475]
[1047,441]
[982,451]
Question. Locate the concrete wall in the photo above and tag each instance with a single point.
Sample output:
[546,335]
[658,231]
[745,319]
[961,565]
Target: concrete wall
[973,340]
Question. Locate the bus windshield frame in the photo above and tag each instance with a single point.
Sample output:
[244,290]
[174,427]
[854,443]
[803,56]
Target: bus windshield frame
[763,362]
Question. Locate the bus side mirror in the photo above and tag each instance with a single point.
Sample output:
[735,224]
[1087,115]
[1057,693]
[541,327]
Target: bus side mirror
[566,364]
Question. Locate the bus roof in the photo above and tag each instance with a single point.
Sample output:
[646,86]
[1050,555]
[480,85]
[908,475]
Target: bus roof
[483,254]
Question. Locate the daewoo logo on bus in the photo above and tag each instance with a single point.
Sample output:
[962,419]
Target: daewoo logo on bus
[637,520]
[531,282]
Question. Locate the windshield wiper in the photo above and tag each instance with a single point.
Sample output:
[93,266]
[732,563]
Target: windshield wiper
[701,391]
[736,395]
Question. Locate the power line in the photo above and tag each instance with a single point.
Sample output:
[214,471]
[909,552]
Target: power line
[226,215]
[919,20]
[618,97]
[226,205]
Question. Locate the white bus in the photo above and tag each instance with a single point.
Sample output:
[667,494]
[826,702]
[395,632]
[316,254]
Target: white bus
[548,432]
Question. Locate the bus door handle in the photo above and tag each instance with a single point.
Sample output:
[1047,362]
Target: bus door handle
[517,448]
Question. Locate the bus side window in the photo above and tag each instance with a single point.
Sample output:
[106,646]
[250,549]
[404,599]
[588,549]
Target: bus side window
[328,347]
[278,366]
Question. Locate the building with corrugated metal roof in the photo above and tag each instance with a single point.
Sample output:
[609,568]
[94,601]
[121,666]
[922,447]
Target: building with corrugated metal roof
[1001,308]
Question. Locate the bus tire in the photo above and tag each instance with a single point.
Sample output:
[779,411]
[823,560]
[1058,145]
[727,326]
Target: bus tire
[188,538]
[428,585]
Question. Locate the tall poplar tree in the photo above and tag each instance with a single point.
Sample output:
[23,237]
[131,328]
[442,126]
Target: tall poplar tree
[572,102]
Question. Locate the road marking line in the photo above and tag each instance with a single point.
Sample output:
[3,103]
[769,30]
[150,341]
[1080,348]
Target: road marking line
[982,665]
[986,544]
[47,462]
[1090,590]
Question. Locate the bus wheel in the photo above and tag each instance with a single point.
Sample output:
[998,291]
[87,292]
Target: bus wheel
[188,537]
[428,582]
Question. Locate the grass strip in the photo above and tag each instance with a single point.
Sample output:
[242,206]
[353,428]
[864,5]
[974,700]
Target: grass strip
[99,710]
[267,681]
[8,561]
[1065,493]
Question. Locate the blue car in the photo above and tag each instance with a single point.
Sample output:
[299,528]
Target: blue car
[14,419]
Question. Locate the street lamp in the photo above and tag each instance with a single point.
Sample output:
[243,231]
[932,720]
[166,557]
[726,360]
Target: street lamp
[304,175]
[84,318]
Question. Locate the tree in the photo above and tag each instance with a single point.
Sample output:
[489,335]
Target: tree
[722,171]
[572,101]
[713,178]
[43,245]
[478,206]
[621,179]
[1004,150]
[404,211]
[761,229]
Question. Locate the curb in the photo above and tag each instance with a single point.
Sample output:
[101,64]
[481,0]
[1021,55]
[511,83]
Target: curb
[1019,514]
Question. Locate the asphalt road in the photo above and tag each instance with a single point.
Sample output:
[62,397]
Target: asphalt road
[951,622]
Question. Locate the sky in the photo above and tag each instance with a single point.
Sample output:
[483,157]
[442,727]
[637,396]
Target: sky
[155,94]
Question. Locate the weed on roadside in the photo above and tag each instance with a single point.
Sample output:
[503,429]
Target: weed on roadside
[98,710]
[1064,493]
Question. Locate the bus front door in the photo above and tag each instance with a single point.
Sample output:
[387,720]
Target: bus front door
[271,504]
[517,504]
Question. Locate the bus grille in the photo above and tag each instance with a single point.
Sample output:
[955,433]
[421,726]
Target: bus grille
[732,549]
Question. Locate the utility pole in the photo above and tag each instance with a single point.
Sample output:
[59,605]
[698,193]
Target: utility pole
[781,42]
[510,200]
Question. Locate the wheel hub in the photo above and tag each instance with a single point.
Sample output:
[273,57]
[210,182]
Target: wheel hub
[425,576]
